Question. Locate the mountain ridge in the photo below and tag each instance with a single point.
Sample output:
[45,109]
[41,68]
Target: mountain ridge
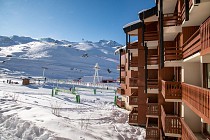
[64,59]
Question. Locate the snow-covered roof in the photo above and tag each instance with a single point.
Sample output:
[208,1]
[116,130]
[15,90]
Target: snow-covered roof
[132,26]
[117,51]
[142,11]
[147,13]
[131,23]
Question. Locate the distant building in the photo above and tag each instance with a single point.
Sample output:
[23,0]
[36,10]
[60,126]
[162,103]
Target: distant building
[26,81]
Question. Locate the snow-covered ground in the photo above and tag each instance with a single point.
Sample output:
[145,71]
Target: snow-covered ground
[31,113]
[26,112]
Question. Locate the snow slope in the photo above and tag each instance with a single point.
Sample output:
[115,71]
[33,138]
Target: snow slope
[27,113]
[24,56]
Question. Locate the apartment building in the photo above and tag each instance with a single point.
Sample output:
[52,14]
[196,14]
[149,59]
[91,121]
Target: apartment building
[165,74]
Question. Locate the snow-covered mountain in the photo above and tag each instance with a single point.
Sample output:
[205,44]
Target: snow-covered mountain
[25,56]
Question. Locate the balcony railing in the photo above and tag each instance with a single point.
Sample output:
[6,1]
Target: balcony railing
[133,116]
[120,91]
[172,19]
[173,53]
[152,83]
[152,133]
[133,82]
[134,92]
[192,45]
[183,9]
[171,124]
[198,98]
[150,35]
[205,35]
[133,46]
[134,74]
[152,108]
[200,40]
[120,103]
[187,134]
[152,60]
[134,61]
[133,100]
[171,90]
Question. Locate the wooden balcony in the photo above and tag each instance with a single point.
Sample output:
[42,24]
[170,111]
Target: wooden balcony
[187,134]
[183,10]
[134,74]
[152,133]
[198,99]
[133,100]
[132,45]
[199,41]
[172,19]
[192,45]
[120,103]
[205,37]
[172,91]
[134,61]
[171,124]
[152,130]
[133,116]
[152,83]
[151,36]
[152,109]
[120,91]
[133,82]
[152,60]
[173,53]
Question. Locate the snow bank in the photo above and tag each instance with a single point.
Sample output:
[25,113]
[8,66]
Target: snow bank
[14,128]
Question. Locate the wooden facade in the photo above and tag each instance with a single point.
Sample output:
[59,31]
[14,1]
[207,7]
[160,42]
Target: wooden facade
[166,97]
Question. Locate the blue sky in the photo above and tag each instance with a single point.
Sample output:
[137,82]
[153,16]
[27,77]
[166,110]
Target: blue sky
[72,20]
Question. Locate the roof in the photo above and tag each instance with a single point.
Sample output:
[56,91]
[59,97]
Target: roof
[117,51]
[147,13]
[132,26]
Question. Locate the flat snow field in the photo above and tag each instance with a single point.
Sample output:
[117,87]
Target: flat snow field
[31,113]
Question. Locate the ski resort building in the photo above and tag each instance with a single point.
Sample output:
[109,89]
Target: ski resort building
[165,75]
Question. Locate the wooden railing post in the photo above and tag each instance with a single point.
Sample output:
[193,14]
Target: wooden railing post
[171,124]
[198,98]
[187,134]
[172,19]
[133,82]
[152,133]
[205,35]
[171,90]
